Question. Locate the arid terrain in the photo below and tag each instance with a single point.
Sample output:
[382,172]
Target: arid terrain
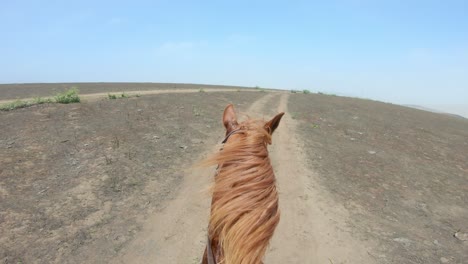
[116,181]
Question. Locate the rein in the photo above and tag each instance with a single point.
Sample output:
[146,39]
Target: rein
[209,252]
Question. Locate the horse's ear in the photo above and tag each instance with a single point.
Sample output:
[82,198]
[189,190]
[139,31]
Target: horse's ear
[271,125]
[230,118]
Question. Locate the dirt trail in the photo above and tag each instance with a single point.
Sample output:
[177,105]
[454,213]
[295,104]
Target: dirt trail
[312,226]
[97,96]
[311,230]
[177,234]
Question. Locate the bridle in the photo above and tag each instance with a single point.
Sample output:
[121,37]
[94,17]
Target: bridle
[230,134]
[209,252]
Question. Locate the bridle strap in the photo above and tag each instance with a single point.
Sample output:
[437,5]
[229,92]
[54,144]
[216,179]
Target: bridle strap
[209,252]
[230,134]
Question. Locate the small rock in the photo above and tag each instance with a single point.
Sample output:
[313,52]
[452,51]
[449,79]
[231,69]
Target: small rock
[183,147]
[355,117]
[352,139]
[86,145]
[156,137]
[461,236]
[196,141]
[403,240]
[436,242]
[371,152]
[139,110]
[444,260]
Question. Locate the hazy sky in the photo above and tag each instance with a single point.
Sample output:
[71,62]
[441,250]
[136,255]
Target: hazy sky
[409,52]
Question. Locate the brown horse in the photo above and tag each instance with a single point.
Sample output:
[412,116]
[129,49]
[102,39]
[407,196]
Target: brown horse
[244,206]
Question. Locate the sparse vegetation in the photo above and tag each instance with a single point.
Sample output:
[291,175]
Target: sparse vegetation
[22,104]
[108,159]
[196,111]
[295,115]
[40,100]
[330,94]
[14,105]
[115,142]
[201,90]
[305,91]
[68,97]
[121,96]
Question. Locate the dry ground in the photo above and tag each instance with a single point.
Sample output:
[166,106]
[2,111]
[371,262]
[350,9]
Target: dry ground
[109,181]
[401,173]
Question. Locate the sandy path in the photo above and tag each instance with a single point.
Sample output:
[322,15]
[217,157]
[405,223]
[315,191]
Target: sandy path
[311,230]
[312,226]
[177,234]
[97,96]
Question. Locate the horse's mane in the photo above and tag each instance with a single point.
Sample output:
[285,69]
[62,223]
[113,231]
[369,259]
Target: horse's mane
[245,211]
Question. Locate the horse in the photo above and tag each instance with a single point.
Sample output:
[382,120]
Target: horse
[244,206]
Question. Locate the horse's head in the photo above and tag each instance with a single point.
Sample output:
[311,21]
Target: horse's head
[255,128]
[244,208]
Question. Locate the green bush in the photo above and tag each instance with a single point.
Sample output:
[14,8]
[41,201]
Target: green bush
[14,105]
[120,96]
[40,100]
[22,104]
[306,91]
[68,97]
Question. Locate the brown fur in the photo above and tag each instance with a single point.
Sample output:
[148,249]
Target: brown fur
[244,210]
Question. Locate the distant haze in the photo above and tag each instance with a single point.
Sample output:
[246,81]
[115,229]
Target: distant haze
[460,109]
[404,52]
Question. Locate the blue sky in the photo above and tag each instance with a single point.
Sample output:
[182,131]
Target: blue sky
[408,52]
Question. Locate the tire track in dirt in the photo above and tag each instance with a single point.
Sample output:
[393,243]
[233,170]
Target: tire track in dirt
[312,228]
[177,234]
